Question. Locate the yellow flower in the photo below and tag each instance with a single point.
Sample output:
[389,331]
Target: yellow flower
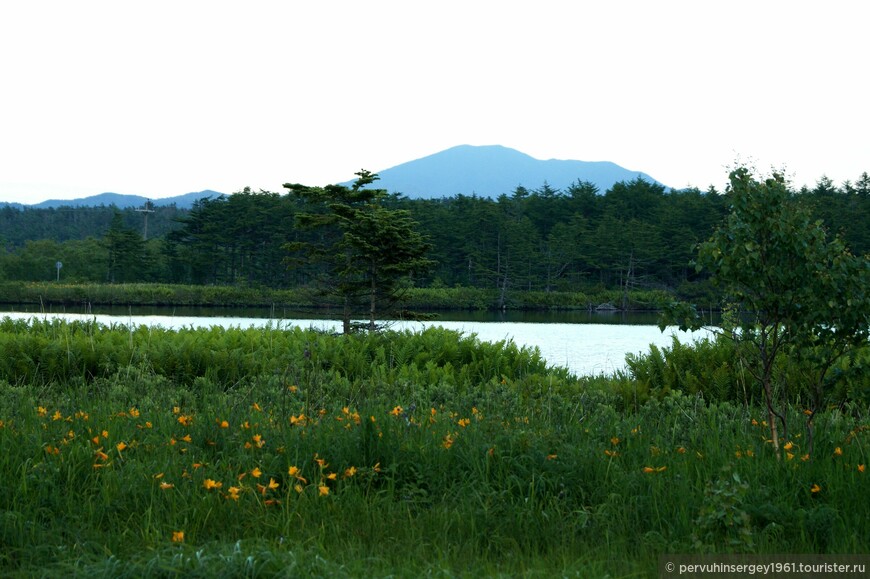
[324,490]
[614,441]
[861,468]
[789,456]
[552,457]
[805,457]
[41,411]
[210,484]
[121,446]
[652,469]
[463,422]
[815,489]
[396,411]
[448,441]
[838,451]
[234,493]
[177,536]
[158,476]
[176,410]
[273,484]
[788,445]
[296,473]
[808,412]
[224,424]
[332,476]
[293,388]
[134,412]
[186,438]
[321,462]
[681,450]
[298,488]
[349,472]
[166,486]
[185,420]
[105,434]
[256,473]
[256,407]
[57,415]
[611,453]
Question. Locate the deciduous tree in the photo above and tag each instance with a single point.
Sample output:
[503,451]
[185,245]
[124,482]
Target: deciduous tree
[796,289]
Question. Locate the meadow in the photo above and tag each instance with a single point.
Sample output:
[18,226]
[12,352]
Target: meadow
[142,452]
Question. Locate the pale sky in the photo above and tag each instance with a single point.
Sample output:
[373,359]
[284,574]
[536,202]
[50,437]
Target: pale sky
[162,98]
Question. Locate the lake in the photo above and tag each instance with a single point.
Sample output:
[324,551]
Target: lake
[585,343]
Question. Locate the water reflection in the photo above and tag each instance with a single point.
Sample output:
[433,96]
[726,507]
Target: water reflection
[266,312]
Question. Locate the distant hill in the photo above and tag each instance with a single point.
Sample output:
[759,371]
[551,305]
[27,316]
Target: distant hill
[485,171]
[489,171]
[185,201]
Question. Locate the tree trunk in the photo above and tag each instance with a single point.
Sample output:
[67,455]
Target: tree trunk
[372,300]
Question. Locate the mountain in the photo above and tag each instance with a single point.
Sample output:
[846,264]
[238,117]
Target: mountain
[124,201]
[486,171]
[489,171]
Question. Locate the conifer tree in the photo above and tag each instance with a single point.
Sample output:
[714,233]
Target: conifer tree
[369,252]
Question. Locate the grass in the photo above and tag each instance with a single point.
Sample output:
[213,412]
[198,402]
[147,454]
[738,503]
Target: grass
[49,294]
[397,455]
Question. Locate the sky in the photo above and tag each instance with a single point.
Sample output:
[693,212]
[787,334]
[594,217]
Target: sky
[163,98]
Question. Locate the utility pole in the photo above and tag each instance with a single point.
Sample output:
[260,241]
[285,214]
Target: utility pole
[145,211]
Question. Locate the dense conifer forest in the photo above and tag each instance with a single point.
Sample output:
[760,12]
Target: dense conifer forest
[636,235]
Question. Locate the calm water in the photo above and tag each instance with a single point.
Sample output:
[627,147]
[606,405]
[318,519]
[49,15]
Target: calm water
[582,342]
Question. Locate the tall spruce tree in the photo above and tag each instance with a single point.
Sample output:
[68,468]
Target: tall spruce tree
[126,252]
[369,252]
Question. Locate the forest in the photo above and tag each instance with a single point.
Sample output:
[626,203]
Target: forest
[635,236]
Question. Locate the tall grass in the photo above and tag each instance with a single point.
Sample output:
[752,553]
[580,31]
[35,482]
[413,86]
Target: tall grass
[435,298]
[391,455]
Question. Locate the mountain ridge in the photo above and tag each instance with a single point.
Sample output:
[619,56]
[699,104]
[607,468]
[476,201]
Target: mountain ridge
[120,200]
[482,170]
[493,170]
